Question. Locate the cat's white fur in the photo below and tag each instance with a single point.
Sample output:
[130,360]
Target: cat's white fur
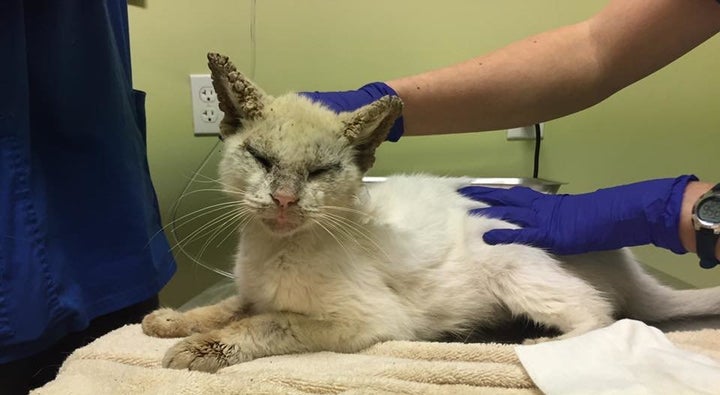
[325,262]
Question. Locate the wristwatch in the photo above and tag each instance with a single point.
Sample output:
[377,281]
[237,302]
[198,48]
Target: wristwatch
[706,221]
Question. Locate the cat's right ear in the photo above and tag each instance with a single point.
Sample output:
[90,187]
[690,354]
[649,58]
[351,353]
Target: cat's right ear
[239,98]
[367,127]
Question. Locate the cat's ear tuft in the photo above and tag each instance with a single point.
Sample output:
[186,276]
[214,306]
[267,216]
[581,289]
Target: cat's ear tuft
[239,98]
[367,127]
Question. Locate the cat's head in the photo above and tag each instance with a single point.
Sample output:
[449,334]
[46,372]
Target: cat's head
[291,162]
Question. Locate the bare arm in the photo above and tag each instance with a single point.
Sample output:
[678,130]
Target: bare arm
[556,73]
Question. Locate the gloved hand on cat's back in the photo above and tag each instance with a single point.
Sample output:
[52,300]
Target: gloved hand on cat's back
[642,213]
[346,101]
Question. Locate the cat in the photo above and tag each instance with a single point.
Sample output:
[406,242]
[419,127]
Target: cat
[327,263]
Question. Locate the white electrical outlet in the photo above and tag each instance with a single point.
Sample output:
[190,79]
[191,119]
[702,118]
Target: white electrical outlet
[206,112]
[525,132]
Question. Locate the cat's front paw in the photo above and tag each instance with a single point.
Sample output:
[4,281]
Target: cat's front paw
[203,352]
[167,323]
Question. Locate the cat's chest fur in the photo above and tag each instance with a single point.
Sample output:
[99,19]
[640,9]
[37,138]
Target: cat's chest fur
[295,275]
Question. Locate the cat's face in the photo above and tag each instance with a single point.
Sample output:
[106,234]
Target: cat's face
[292,167]
[291,163]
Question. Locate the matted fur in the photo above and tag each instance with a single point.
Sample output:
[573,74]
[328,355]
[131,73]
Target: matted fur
[327,263]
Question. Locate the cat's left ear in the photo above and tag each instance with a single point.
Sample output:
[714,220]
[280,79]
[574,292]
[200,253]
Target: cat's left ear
[368,126]
[239,98]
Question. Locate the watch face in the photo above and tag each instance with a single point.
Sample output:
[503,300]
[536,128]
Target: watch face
[709,210]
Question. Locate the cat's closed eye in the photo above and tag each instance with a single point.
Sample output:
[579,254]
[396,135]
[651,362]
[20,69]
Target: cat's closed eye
[320,171]
[264,161]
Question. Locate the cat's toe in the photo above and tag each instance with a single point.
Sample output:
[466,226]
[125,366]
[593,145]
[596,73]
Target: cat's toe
[202,352]
[166,323]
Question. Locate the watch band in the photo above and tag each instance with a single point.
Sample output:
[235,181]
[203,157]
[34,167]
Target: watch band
[705,241]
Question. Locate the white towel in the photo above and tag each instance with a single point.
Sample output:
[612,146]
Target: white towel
[126,361]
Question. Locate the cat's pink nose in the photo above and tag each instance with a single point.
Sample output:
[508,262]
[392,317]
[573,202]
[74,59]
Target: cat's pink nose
[284,200]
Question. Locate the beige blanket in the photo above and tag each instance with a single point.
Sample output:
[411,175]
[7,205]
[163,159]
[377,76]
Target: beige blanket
[126,361]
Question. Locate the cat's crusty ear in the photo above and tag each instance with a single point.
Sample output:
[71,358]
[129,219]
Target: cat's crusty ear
[239,98]
[368,126]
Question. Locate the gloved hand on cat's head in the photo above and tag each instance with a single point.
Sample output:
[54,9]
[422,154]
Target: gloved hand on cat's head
[345,101]
[607,219]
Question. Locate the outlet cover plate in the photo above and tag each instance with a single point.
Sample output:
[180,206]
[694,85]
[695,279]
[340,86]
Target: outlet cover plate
[205,110]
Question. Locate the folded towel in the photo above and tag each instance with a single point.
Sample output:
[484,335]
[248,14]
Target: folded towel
[126,361]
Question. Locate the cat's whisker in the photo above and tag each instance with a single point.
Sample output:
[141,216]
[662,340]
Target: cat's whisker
[358,228]
[207,190]
[194,178]
[242,223]
[202,213]
[200,231]
[207,179]
[193,215]
[229,222]
[347,209]
[346,231]
[250,217]
[470,333]
[211,224]
[340,228]
[348,221]
[334,237]
[233,188]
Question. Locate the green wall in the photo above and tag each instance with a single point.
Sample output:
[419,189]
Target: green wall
[666,125]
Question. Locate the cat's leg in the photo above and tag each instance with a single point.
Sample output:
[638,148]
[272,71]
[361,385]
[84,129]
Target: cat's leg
[549,295]
[264,335]
[167,322]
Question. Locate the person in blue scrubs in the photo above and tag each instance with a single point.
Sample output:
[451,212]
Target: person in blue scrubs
[81,251]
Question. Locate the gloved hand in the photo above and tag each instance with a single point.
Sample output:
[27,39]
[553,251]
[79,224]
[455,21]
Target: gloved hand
[352,100]
[629,215]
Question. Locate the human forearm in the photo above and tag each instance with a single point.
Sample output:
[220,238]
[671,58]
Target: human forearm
[559,72]
[499,90]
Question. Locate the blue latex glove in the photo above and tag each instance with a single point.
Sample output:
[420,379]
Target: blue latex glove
[352,100]
[629,215]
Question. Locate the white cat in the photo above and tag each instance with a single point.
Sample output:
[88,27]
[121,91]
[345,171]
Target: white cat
[327,263]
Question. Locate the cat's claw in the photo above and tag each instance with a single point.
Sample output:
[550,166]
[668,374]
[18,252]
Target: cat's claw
[202,352]
[167,323]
